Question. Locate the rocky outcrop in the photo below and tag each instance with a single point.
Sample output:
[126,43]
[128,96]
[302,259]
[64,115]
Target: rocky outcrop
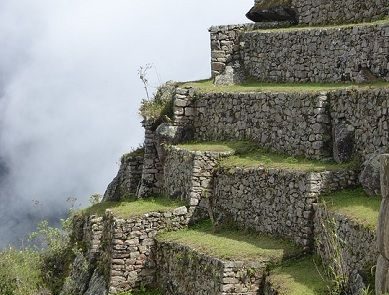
[272,10]
[126,182]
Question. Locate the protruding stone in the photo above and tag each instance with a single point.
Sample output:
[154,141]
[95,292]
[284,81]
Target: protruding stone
[370,175]
[269,11]
[383,229]
[343,146]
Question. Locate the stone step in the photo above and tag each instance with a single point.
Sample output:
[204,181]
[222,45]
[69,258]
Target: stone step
[200,261]
[265,192]
[345,231]
[297,277]
[313,120]
[355,52]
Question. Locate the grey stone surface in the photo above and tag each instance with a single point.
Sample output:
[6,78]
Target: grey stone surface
[126,182]
[78,280]
[182,270]
[356,243]
[189,177]
[384,176]
[343,142]
[329,54]
[274,201]
[97,285]
[382,276]
[370,175]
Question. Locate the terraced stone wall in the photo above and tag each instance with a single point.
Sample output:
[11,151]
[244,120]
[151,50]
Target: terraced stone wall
[317,54]
[291,123]
[128,247]
[277,202]
[189,177]
[182,270]
[338,11]
[225,50]
[152,171]
[367,112]
[357,244]
[88,230]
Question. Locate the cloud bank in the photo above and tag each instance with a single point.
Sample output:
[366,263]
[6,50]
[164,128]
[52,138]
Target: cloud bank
[69,91]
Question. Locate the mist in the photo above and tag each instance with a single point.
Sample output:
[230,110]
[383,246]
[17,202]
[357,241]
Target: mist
[69,92]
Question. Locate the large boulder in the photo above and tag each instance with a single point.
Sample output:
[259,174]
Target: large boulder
[97,285]
[370,175]
[271,11]
[343,142]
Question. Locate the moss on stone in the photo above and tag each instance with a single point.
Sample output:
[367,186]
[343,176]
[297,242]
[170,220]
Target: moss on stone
[232,244]
[207,86]
[133,207]
[299,277]
[356,205]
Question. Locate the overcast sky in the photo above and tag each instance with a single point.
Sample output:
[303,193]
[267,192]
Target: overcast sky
[70,91]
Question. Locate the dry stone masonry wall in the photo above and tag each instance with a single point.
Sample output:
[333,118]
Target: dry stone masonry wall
[338,11]
[182,270]
[357,243]
[127,181]
[292,123]
[367,113]
[274,201]
[129,246]
[189,177]
[317,54]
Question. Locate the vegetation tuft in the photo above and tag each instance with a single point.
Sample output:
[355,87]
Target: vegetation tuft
[133,207]
[356,205]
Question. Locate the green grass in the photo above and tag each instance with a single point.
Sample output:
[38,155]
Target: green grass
[249,155]
[300,277]
[231,244]
[356,205]
[133,208]
[207,86]
[20,272]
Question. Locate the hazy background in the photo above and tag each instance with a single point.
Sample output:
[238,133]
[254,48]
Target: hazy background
[69,91]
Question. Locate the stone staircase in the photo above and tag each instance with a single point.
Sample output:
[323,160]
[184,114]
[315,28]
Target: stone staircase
[270,150]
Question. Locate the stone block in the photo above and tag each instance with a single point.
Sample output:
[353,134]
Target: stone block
[384,175]
[382,276]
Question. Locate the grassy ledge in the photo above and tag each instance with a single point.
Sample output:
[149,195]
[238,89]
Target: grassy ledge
[299,277]
[133,208]
[231,244]
[207,86]
[356,205]
[249,155]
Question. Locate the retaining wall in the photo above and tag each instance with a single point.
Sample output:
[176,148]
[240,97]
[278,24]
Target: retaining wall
[127,180]
[338,11]
[277,202]
[357,243]
[129,247]
[367,112]
[291,123]
[189,177]
[182,270]
[317,54]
